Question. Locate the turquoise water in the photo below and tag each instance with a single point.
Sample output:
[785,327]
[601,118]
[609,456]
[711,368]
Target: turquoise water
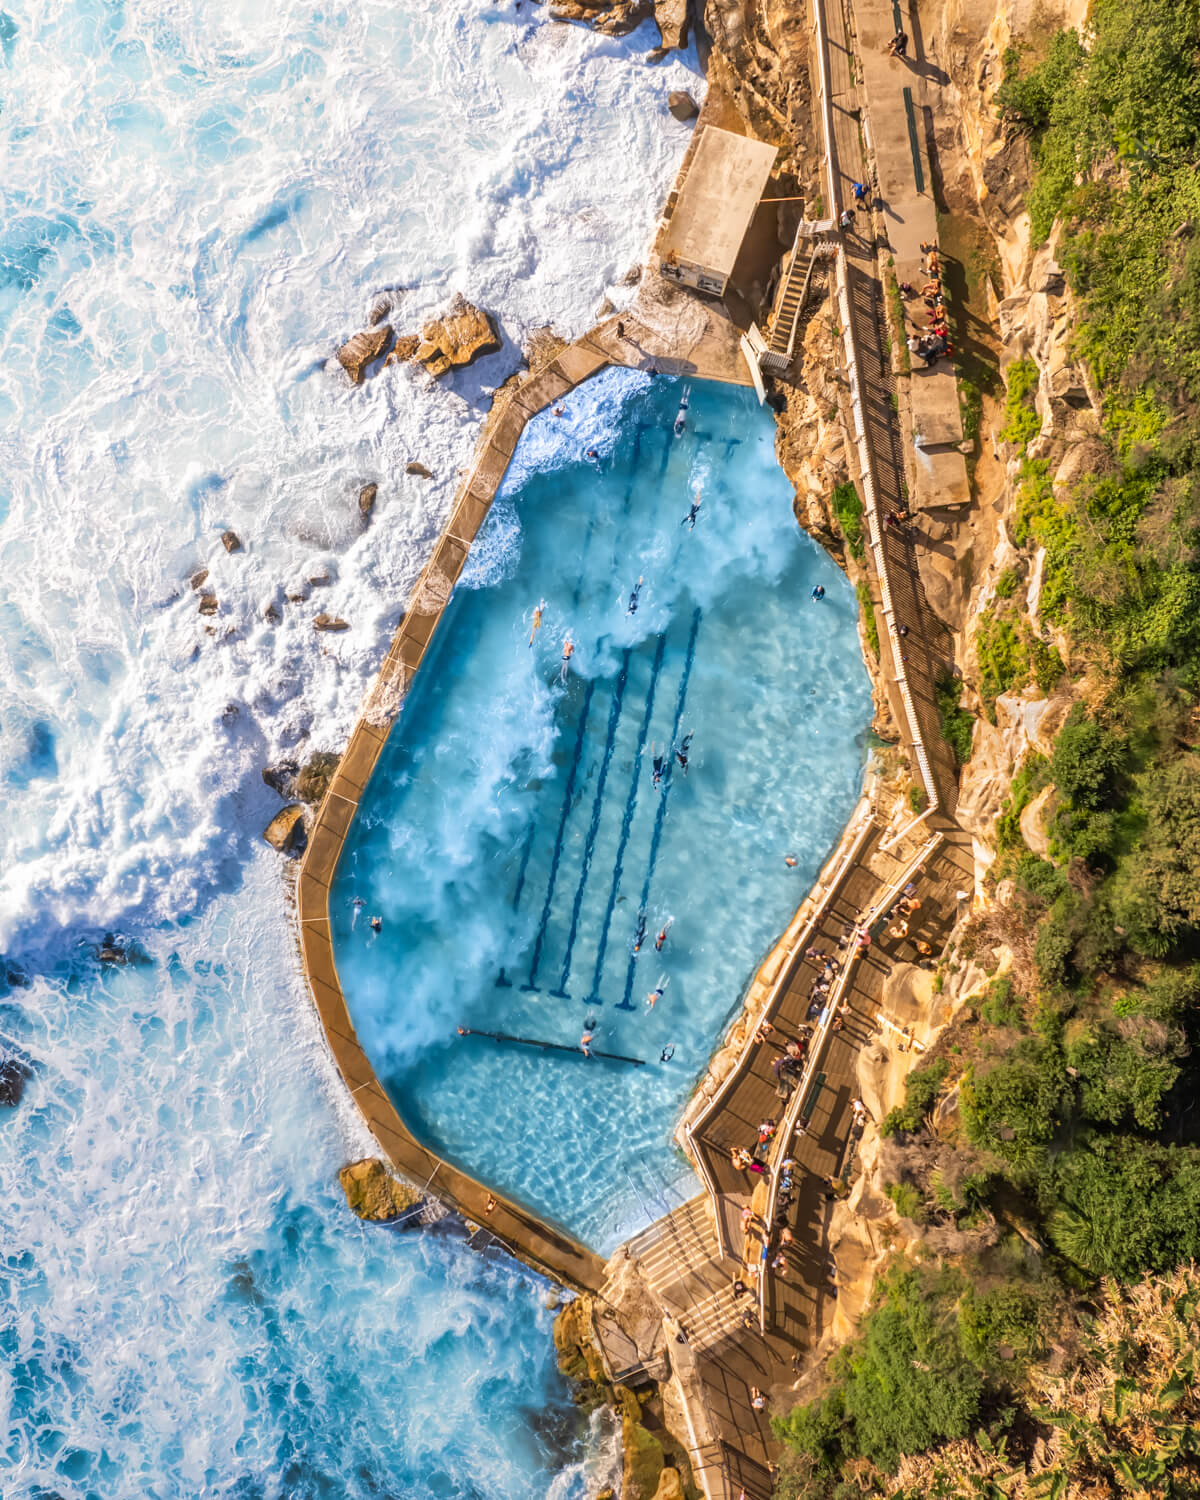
[513,838]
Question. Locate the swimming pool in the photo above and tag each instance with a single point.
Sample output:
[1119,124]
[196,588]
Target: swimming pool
[515,841]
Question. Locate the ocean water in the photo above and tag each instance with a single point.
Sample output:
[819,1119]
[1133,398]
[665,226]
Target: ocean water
[515,838]
[199,204]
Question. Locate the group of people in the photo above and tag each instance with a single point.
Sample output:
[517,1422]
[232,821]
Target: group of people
[934,343]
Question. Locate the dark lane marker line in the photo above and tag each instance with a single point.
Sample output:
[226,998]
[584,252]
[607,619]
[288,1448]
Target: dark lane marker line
[614,717]
[661,814]
[568,797]
[627,820]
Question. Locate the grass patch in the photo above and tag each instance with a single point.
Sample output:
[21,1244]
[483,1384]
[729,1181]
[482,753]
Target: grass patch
[957,722]
[848,509]
[870,624]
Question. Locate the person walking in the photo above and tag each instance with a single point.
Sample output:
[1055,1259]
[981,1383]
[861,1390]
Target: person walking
[898,46]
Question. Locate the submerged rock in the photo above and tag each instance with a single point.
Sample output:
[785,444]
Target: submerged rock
[373,1193]
[313,781]
[208,604]
[281,778]
[366,499]
[199,578]
[330,622]
[682,105]
[233,542]
[418,469]
[13,1077]
[458,338]
[357,353]
[379,310]
[285,831]
[111,952]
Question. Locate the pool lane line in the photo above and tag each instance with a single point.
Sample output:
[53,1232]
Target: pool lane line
[555,858]
[627,820]
[614,718]
[660,815]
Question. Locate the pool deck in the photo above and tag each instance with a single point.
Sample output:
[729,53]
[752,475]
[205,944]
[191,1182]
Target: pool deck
[686,1261]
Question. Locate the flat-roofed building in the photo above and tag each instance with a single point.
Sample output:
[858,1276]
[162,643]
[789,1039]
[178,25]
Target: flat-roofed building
[714,208]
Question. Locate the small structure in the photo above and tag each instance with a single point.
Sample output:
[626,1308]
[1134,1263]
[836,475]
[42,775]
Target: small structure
[714,208]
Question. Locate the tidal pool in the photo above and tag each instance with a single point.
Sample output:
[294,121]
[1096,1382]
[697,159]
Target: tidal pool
[515,839]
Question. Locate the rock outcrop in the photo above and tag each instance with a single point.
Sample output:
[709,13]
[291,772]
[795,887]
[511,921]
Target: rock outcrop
[325,621]
[231,541]
[682,105]
[13,1077]
[366,500]
[418,469]
[458,338]
[357,353]
[613,17]
[373,1193]
[672,18]
[313,781]
[285,831]
[208,604]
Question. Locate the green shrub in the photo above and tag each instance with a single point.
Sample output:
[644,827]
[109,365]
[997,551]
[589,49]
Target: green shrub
[1087,762]
[908,1200]
[1021,421]
[1018,1104]
[921,1090]
[1006,584]
[870,623]
[848,509]
[1007,1317]
[1001,1005]
[958,723]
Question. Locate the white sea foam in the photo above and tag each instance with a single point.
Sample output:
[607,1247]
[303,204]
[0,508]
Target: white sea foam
[199,208]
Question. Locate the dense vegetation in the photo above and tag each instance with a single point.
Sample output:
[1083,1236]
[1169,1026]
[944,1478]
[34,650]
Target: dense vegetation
[1065,1165]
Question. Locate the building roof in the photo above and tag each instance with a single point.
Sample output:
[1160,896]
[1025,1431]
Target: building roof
[718,199]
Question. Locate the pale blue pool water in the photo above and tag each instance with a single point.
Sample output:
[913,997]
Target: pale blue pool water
[513,833]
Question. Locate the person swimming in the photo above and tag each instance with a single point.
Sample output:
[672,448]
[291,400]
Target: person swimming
[639,937]
[818,591]
[568,652]
[656,993]
[589,1035]
[667,1053]
[537,620]
[662,936]
[693,512]
[681,755]
[358,903]
[376,924]
[658,765]
[633,598]
[681,414]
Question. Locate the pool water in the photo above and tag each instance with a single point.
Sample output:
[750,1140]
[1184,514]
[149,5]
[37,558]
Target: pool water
[514,839]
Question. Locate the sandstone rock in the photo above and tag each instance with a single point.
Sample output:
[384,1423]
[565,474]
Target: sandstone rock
[208,604]
[682,105]
[313,781]
[670,1486]
[330,622]
[632,276]
[198,579]
[298,592]
[366,499]
[379,310]
[542,345]
[458,338]
[233,542]
[373,1193]
[672,18]
[419,469]
[404,348]
[285,831]
[357,353]
[1033,822]
[320,580]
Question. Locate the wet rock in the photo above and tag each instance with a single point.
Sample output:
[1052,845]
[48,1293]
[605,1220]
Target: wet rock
[285,831]
[330,622]
[199,578]
[298,592]
[366,499]
[273,614]
[230,713]
[313,781]
[112,952]
[606,309]
[281,778]
[320,580]
[404,348]
[542,345]
[373,1193]
[379,310]
[357,353]
[13,1077]
[672,18]
[418,469]
[632,276]
[682,105]
[458,338]
[208,604]
[233,542]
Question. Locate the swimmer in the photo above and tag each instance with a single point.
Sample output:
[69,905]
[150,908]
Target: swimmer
[358,903]
[633,599]
[667,1053]
[693,514]
[681,415]
[593,453]
[589,1033]
[568,652]
[681,755]
[376,924]
[639,936]
[657,764]
[656,993]
[791,861]
[662,936]
[559,410]
[818,591]
[537,620]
